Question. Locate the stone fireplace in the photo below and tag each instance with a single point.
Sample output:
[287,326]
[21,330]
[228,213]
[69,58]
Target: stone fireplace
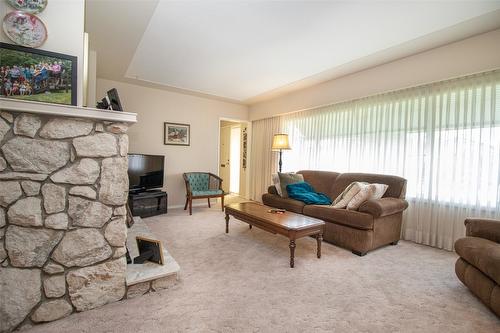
[63,190]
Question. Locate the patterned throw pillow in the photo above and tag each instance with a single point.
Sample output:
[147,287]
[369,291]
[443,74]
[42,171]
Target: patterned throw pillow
[276,183]
[380,190]
[287,179]
[363,195]
[367,192]
[350,191]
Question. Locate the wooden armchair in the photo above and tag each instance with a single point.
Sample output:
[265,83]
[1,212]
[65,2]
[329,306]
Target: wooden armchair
[202,185]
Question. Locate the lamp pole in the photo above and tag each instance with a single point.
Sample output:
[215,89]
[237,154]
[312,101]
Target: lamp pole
[281,152]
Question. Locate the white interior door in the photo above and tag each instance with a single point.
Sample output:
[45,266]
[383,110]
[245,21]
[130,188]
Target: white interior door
[224,167]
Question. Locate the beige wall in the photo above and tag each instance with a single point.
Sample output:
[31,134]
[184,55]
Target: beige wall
[156,106]
[475,54]
[65,23]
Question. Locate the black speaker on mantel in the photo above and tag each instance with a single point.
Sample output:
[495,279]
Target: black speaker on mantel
[111,101]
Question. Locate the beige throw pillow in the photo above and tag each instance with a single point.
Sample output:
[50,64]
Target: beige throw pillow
[346,196]
[276,183]
[380,190]
[367,192]
[287,179]
[363,195]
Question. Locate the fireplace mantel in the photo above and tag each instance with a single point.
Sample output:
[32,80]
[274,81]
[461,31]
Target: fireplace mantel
[7,104]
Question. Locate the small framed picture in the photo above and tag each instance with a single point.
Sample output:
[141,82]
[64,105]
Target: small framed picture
[176,134]
[150,250]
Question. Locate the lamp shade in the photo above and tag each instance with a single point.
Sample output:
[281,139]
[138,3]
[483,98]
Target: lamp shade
[280,141]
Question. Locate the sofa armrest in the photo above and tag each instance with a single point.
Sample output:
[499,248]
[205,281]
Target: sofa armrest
[272,190]
[384,206]
[483,228]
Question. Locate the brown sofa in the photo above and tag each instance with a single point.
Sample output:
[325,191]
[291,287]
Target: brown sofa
[479,264]
[375,224]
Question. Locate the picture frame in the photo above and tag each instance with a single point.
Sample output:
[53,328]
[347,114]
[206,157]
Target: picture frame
[176,134]
[37,75]
[149,250]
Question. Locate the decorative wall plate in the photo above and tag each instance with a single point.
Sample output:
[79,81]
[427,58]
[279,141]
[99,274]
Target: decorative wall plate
[29,6]
[24,29]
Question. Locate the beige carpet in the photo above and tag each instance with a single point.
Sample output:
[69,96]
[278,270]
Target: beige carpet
[241,282]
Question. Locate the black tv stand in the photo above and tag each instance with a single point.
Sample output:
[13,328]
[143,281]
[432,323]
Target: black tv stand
[136,191]
[148,203]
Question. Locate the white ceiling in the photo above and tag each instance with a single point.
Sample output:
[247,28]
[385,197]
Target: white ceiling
[244,50]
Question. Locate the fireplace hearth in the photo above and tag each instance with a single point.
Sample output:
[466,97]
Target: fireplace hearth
[63,190]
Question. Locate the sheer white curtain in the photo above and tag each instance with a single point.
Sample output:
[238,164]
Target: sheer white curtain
[444,138]
[263,161]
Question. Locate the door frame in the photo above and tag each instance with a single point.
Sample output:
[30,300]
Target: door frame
[225,172]
[248,124]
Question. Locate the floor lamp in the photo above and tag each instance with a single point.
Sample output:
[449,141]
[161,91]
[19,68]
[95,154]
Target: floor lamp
[280,143]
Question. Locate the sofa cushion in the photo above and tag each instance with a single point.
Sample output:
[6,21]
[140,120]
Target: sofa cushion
[396,189]
[274,200]
[322,181]
[484,228]
[345,217]
[482,254]
[207,192]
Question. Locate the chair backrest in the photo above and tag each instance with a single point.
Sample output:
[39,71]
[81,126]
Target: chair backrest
[321,181]
[198,181]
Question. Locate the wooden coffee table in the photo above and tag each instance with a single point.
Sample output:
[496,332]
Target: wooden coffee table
[291,225]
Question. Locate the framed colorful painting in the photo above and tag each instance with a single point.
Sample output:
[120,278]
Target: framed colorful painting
[176,134]
[37,75]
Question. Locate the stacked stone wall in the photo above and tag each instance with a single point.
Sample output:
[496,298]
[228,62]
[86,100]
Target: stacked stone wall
[63,190]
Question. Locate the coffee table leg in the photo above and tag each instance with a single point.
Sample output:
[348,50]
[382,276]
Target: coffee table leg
[292,252]
[319,239]
[227,223]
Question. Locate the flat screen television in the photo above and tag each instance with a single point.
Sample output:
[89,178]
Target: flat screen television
[145,172]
